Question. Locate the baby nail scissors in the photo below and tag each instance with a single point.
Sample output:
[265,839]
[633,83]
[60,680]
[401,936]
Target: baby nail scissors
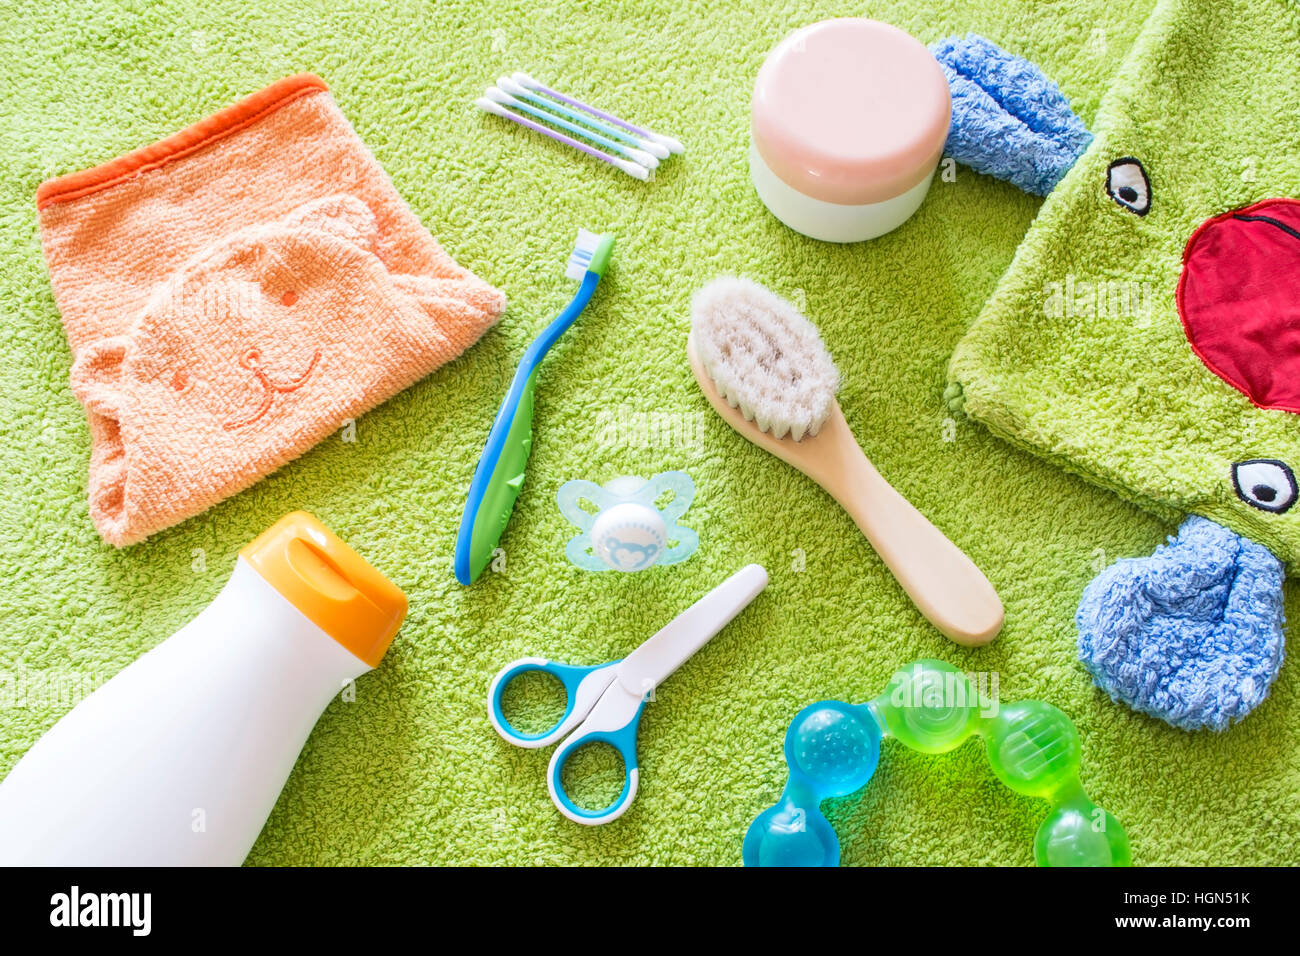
[604,702]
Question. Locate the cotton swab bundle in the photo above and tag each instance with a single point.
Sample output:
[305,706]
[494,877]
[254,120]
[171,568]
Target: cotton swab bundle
[498,95]
[655,148]
[522,100]
[632,169]
[673,146]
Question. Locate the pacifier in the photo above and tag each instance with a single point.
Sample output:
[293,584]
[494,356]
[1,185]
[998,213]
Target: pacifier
[627,531]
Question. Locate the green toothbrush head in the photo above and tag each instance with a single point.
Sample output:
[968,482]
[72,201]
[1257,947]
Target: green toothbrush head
[600,257]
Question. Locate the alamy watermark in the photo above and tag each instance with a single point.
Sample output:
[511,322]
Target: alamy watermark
[46,689]
[626,427]
[955,691]
[79,908]
[1083,298]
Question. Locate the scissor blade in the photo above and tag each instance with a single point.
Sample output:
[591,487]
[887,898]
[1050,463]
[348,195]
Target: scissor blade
[651,663]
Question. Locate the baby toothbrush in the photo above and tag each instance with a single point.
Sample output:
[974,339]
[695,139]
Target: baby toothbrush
[500,471]
[764,369]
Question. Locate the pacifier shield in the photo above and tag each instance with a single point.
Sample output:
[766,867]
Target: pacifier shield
[628,531]
[629,537]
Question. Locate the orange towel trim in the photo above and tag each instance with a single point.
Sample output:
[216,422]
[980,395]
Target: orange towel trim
[189,140]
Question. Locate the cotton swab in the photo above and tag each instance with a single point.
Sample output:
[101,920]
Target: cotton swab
[500,96]
[524,80]
[635,170]
[658,150]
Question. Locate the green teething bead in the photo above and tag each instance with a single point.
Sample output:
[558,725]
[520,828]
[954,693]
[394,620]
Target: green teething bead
[1079,833]
[929,706]
[1034,748]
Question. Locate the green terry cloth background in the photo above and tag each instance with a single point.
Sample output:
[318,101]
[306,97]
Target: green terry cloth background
[1080,353]
[410,771]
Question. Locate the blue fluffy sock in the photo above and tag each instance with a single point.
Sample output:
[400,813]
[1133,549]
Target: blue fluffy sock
[1008,119]
[1192,634]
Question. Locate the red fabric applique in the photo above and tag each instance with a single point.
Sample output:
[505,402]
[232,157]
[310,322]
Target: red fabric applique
[1239,299]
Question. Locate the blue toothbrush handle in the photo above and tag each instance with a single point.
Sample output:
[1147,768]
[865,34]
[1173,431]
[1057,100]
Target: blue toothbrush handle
[499,475]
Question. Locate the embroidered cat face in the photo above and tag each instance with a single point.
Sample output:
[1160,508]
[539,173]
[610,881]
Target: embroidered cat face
[262,343]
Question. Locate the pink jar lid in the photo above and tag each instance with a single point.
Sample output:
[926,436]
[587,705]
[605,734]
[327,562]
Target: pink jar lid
[851,111]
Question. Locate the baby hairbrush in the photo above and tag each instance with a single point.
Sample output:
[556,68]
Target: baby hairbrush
[765,370]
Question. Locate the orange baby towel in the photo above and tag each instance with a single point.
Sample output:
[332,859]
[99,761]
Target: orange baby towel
[235,293]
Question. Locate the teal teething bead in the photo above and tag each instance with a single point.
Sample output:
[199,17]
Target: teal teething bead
[835,745]
[792,833]
[832,749]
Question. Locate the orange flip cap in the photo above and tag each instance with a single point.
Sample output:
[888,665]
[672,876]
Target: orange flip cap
[330,583]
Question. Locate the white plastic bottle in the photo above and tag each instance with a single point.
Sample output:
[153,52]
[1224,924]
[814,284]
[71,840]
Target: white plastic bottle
[178,760]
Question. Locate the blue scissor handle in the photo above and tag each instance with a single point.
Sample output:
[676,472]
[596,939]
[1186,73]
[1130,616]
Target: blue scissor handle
[582,688]
[612,721]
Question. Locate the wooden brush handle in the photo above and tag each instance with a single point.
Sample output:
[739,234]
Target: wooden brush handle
[944,583]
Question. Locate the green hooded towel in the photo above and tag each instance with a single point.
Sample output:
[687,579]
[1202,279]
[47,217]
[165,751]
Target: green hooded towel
[1147,337]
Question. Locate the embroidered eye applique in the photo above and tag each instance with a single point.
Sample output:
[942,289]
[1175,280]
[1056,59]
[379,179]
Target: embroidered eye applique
[1127,184]
[1265,483]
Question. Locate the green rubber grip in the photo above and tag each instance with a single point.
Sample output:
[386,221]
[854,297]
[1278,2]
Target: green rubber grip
[506,482]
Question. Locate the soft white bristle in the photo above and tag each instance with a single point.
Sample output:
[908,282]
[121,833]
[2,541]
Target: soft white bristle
[584,247]
[764,357]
